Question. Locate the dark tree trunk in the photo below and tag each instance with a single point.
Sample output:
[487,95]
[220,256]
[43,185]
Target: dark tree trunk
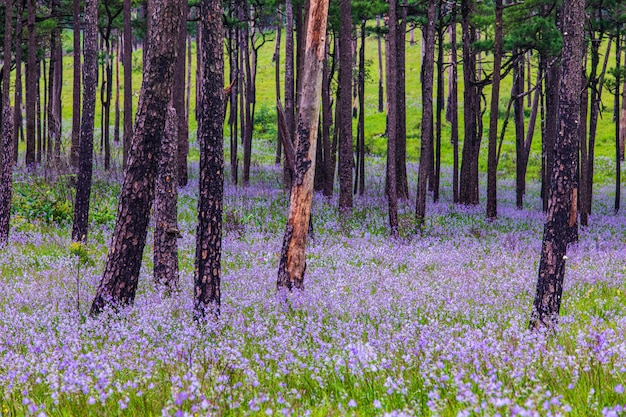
[6,130]
[360,186]
[518,115]
[127,62]
[234,97]
[440,100]
[292,263]
[178,99]
[492,170]
[428,72]
[249,55]
[39,123]
[468,190]
[346,156]
[116,122]
[56,82]
[453,110]
[85,166]
[561,214]
[210,137]
[618,162]
[121,272]
[76,93]
[17,111]
[289,82]
[327,121]
[381,95]
[402,182]
[32,78]
[392,118]
[552,82]
[166,231]
[276,60]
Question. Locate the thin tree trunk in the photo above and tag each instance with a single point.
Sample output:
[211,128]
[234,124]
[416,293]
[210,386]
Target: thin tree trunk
[392,117]
[17,111]
[276,60]
[56,81]
[428,71]
[166,231]
[292,261]
[178,99]
[552,82]
[127,62]
[289,81]
[249,100]
[121,272]
[492,170]
[561,214]
[327,121]
[346,156]
[440,100]
[188,86]
[381,95]
[361,123]
[453,110]
[31,86]
[76,93]
[85,167]
[402,182]
[116,122]
[618,162]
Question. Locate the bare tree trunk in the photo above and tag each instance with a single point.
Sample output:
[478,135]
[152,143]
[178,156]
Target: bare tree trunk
[31,86]
[392,118]
[402,182]
[381,96]
[327,121]
[292,261]
[6,136]
[76,93]
[116,122]
[552,82]
[56,81]
[361,123]
[492,170]
[346,156]
[562,199]
[85,167]
[276,60]
[17,112]
[166,231]
[618,162]
[210,137]
[440,100]
[178,99]
[289,81]
[428,70]
[453,110]
[121,272]
[127,62]
[188,86]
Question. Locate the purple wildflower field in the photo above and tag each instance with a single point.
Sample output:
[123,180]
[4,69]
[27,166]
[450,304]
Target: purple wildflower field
[430,324]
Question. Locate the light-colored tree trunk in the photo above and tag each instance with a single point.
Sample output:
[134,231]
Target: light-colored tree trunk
[292,261]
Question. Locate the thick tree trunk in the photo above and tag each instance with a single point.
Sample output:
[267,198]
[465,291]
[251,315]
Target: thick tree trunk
[492,170]
[32,77]
[178,99]
[165,208]
[468,193]
[346,155]
[392,117]
[210,137]
[6,130]
[562,197]
[76,93]
[292,261]
[127,62]
[121,272]
[428,72]
[85,166]
[552,82]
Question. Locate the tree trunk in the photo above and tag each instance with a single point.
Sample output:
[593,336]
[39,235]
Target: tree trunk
[327,121]
[552,82]
[361,123]
[116,122]
[518,114]
[85,166]
[292,261]
[56,81]
[402,182]
[76,93]
[166,231]
[471,144]
[234,97]
[440,100]
[428,71]
[392,118]
[6,132]
[127,62]
[276,60]
[453,110]
[248,53]
[492,170]
[346,155]
[210,137]
[121,272]
[618,162]
[32,77]
[178,99]
[562,197]
[289,82]
[17,111]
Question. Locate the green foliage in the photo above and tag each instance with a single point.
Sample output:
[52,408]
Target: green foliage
[39,200]
[265,122]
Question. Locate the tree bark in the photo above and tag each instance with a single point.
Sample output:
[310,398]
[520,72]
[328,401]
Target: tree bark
[76,93]
[618,162]
[440,100]
[381,95]
[402,182]
[276,60]
[127,62]
[289,81]
[346,155]
[562,197]
[392,118]
[361,123]
[31,85]
[116,121]
[166,231]
[121,272]
[85,166]
[56,82]
[552,83]
[17,111]
[178,99]
[6,137]
[428,71]
[453,110]
[492,170]
[292,261]
[211,189]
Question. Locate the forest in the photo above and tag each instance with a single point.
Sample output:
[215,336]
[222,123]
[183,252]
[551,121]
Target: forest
[312,208]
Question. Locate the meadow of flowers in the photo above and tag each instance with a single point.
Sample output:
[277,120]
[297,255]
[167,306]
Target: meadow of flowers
[433,323]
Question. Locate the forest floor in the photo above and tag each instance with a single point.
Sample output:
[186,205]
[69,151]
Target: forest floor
[433,323]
